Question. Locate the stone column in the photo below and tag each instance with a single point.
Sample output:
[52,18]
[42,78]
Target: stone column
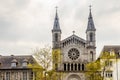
[73,66]
[70,66]
[77,66]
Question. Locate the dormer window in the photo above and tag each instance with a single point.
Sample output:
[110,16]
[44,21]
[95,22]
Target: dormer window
[25,62]
[14,63]
[119,53]
[111,52]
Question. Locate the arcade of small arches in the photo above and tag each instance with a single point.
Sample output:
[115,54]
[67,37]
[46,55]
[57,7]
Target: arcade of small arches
[74,67]
[72,40]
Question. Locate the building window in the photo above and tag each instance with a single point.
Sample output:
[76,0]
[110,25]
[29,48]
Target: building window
[31,75]
[75,67]
[24,64]
[13,64]
[109,74]
[79,67]
[56,37]
[73,54]
[119,52]
[108,63]
[68,67]
[112,53]
[91,55]
[7,75]
[56,66]
[24,75]
[16,76]
[0,75]
[83,67]
[71,67]
[91,37]
[64,66]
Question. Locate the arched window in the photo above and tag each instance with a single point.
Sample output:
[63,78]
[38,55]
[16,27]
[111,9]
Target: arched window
[83,67]
[25,63]
[91,37]
[14,63]
[56,66]
[75,67]
[91,55]
[79,67]
[71,67]
[64,67]
[56,37]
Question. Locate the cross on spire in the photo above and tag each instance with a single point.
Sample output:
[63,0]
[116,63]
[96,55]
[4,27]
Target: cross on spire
[56,8]
[90,7]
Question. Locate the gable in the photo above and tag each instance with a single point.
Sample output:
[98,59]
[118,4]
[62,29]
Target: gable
[73,40]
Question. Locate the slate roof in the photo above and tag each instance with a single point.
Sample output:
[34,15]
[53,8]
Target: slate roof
[90,26]
[5,61]
[56,26]
[115,48]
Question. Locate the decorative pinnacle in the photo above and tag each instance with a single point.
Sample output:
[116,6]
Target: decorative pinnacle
[73,32]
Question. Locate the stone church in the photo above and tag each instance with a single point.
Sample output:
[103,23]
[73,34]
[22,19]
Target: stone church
[72,53]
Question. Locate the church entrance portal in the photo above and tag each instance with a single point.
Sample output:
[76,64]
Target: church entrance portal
[74,77]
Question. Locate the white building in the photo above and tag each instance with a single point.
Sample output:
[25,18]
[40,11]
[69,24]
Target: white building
[111,71]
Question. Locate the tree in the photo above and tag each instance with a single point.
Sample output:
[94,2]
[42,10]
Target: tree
[37,69]
[44,58]
[52,75]
[93,70]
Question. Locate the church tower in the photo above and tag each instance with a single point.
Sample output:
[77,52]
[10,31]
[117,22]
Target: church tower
[56,32]
[91,37]
[56,39]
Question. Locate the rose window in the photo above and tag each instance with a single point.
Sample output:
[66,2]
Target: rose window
[73,54]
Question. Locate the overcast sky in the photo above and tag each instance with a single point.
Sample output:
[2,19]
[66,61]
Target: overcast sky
[27,24]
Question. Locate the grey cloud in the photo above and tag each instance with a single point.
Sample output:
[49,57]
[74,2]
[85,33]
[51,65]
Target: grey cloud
[31,21]
[22,3]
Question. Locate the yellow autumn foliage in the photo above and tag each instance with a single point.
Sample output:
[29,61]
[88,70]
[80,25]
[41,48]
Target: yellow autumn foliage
[38,71]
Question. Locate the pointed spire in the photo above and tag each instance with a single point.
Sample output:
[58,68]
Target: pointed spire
[56,26]
[90,26]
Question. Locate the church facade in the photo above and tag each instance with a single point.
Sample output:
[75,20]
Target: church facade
[72,53]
